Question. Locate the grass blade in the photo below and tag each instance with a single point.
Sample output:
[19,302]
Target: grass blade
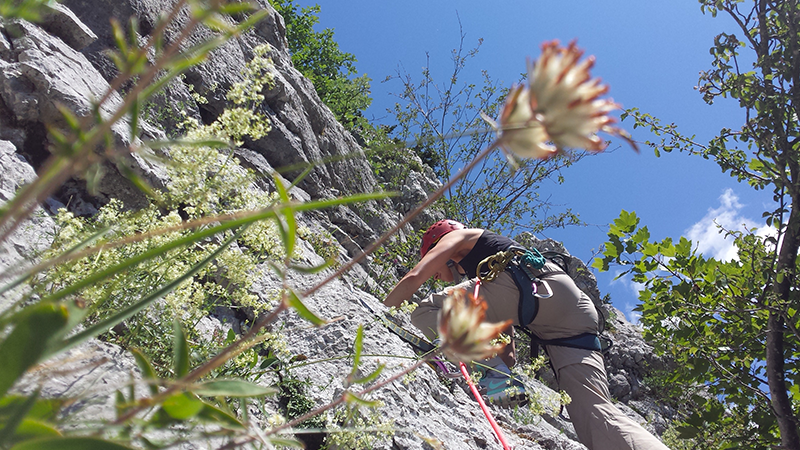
[26,343]
[180,350]
[232,388]
[69,443]
[294,301]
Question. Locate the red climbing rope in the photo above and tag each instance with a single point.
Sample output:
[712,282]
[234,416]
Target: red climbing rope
[497,431]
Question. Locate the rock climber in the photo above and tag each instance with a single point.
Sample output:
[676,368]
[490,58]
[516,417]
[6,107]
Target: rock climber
[450,251]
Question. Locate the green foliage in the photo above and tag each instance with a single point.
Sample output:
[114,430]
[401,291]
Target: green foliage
[358,429]
[317,56]
[295,402]
[706,315]
[732,326]
[323,243]
[391,161]
[204,181]
[169,113]
[31,10]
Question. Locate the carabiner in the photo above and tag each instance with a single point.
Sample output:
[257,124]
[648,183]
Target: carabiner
[536,289]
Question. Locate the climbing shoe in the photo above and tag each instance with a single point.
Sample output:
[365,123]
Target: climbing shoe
[499,388]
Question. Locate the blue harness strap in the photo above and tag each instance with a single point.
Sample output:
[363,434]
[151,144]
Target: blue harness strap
[528,303]
[586,341]
[529,308]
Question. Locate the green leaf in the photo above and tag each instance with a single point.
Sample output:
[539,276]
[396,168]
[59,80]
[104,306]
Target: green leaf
[180,350]
[301,309]
[217,23]
[31,428]
[794,389]
[253,19]
[43,409]
[69,117]
[232,388]
[358,346]
[287,226]
[16,417]
[353,398]
[183,406]
[626,221]
[313,269]
[69,443]
[285,442]
[137,180]
[371,377]
[27,342]
[687,432]
[189,143]
[235,8]
[119,38]
[268,362]
[135,112]
[216,415]
[601,264]
[147,369]
[641,236]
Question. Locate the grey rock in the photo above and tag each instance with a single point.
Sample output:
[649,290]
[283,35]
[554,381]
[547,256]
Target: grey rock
[62,22]
[31,236]
[47,74]
[89,374]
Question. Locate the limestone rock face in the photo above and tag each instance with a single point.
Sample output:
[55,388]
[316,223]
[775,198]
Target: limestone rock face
[41,73]
[303,132]
[63,62]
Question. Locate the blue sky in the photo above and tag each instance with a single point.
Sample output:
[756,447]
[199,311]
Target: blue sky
[650,53]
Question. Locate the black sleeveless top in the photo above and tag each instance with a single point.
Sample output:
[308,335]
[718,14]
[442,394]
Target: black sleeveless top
[488,244]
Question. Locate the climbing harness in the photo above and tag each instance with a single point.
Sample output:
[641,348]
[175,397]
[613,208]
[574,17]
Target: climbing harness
[522,264]
[516,258]
[525,266]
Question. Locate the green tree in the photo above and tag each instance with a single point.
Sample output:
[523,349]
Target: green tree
[443,122]
[317,56]
[733,327]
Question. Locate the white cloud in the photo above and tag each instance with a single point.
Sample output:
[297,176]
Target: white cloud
[705,234]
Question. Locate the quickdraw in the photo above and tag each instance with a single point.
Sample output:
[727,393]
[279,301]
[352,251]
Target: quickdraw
[526,260]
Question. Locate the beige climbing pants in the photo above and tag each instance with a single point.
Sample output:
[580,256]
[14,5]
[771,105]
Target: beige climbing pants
[599,424]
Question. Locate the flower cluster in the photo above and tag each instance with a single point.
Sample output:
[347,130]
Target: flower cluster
[560,107]
[465,337]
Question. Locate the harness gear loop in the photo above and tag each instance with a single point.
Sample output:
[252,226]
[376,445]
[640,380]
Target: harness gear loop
[520,258]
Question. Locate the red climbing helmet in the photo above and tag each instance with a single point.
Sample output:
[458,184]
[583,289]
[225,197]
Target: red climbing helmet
[435,232]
